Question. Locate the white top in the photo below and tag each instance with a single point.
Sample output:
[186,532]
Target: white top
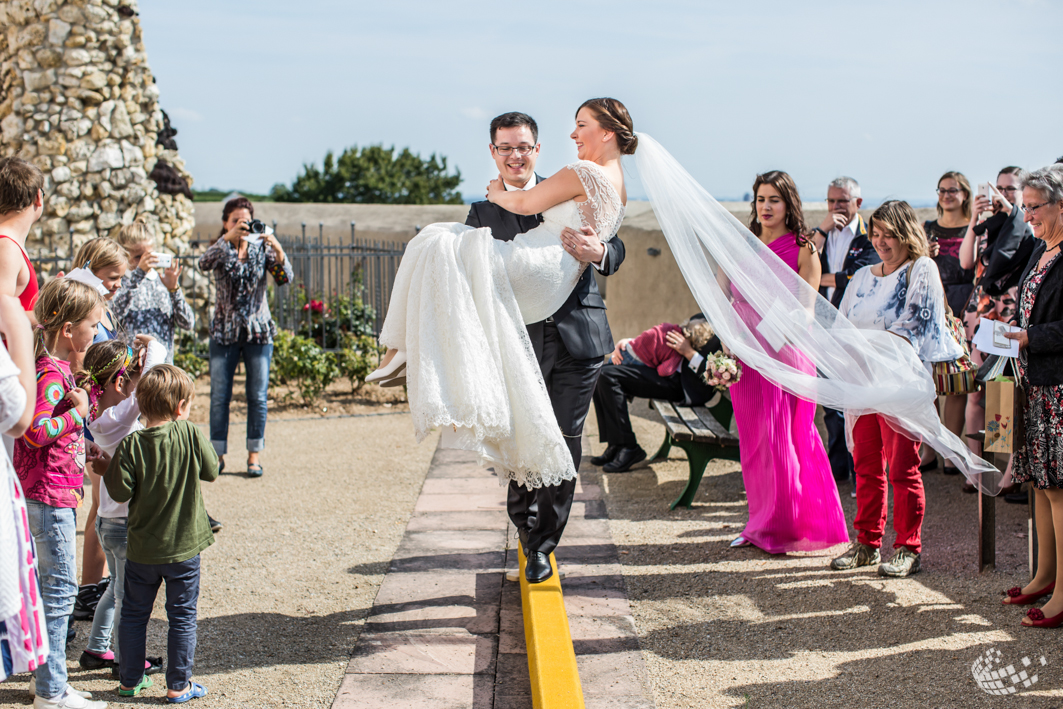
[838,242]
[527,186]
[115,423]
[915,311]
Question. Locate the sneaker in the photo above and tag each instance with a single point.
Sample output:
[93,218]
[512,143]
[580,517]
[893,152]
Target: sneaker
[215,525]
[904,563]
[858,555]
[69,699]
[94,661]
[85,603]
[69,689]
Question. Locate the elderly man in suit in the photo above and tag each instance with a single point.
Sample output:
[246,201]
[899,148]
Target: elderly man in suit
[570,345]
[844,248]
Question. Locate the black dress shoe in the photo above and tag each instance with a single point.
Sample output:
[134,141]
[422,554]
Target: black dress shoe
[1017,498]
[626,458]
[538,569]
[608,455]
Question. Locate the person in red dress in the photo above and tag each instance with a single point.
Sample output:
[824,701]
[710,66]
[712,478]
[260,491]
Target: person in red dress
[21,204]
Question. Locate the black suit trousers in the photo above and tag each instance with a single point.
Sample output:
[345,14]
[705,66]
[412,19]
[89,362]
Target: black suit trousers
[542,513]
[616,384]
[841,460]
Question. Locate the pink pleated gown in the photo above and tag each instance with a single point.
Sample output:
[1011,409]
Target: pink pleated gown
[793,500]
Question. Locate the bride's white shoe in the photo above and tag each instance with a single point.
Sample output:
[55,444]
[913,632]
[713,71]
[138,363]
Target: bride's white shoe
[393,374]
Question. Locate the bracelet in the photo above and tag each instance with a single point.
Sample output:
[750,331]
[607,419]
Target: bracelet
[175,290]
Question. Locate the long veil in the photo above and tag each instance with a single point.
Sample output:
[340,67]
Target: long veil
[776,312]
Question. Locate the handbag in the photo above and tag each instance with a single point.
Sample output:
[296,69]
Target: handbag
[956,376]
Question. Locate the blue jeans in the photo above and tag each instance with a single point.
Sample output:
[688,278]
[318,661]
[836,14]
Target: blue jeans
[112,535]
[142,583]
[54,532]
[223,361]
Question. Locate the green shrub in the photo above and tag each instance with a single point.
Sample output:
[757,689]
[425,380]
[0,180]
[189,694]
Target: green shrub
[301,363]
[191,354]
[195,366]
[359,357]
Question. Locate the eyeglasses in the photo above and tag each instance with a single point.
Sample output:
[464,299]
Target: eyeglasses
[951,190]
[507,150]
[1007,189]
[1031,208]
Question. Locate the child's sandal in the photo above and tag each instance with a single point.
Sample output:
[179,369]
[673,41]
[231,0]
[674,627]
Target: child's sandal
[143,684]
[195,691]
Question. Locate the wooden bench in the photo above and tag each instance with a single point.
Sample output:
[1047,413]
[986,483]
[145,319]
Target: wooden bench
[701,431]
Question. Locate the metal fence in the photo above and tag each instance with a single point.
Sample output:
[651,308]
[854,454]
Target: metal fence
[334,282]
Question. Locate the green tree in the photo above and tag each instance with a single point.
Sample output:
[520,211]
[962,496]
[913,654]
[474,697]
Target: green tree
[375,175]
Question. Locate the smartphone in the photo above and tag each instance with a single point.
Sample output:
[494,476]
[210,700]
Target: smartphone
[163,260]
[984,190]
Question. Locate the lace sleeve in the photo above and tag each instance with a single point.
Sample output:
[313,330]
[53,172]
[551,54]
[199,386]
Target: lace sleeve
[603,211]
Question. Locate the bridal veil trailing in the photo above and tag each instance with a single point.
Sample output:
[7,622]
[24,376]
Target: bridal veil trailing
[858,371]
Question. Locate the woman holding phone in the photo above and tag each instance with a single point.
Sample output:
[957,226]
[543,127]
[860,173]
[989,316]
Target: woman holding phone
[243,328]
[945,236]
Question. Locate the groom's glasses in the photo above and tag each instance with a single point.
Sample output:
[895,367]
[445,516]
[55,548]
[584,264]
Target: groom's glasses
[507,150]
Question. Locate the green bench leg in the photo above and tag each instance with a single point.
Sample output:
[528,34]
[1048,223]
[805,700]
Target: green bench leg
[662,452]
[699,457]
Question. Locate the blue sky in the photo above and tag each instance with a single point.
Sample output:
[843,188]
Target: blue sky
[893,93]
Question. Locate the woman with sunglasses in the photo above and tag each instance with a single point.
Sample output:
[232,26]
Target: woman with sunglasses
[945,235]
[997,247]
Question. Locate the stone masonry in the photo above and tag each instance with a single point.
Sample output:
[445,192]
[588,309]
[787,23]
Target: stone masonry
[77,98]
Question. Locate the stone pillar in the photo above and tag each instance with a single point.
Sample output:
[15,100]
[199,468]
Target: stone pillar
[77,98]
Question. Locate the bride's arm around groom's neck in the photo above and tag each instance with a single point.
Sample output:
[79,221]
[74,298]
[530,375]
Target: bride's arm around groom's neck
[561,187]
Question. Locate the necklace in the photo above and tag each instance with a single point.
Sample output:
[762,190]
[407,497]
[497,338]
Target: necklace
[884,274]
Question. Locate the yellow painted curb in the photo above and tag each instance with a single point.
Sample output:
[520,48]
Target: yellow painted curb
[551,659]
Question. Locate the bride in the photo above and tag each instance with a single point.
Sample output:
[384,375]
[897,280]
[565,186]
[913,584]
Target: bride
[455,327]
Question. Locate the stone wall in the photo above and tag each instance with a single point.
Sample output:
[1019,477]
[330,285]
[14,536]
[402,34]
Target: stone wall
[77,98]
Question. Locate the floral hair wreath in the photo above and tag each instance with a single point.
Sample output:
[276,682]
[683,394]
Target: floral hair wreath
[127,359]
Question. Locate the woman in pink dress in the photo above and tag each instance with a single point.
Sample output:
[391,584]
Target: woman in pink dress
[793,501]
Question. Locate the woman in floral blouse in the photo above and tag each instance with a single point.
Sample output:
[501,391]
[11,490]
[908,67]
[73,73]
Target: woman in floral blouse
[242,327]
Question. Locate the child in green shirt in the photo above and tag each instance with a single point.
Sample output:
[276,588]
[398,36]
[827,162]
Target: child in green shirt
[158,470]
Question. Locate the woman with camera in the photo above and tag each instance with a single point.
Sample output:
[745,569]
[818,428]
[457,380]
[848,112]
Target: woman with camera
[243,328]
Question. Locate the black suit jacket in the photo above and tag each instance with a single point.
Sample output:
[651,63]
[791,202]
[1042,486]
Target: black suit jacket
[861,253]
[695,391]
[581,321]
[1044,354]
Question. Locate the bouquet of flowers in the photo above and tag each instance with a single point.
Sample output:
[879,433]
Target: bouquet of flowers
[721,371]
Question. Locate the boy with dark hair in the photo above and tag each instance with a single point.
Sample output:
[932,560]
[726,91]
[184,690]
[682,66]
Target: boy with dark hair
[158,470]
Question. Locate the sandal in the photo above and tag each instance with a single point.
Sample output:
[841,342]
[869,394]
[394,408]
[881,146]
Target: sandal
[1015,596]
[195,691]
[143,684]
[254,470]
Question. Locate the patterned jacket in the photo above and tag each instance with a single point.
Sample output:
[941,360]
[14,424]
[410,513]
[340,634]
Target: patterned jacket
[145,306]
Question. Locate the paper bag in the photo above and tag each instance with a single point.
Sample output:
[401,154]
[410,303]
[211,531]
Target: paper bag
[1003,416]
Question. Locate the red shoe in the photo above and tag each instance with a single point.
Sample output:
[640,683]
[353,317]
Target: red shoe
[1038,619]
[1015,596]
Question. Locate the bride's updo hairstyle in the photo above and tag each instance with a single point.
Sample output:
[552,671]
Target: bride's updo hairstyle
[613,117]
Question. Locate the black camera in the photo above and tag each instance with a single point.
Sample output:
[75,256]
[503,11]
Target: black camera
[256,226]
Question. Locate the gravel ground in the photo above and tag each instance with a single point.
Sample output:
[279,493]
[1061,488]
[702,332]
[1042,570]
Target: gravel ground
[723,627]
[287,586]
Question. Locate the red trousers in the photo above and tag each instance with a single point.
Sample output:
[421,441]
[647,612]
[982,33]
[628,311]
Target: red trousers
[876,446]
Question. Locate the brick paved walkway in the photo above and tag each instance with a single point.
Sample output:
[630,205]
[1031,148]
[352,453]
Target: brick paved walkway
[446,630]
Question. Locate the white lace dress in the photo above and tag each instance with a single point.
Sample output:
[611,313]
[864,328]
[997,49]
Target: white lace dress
[458,309]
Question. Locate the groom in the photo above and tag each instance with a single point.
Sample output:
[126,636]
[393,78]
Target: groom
[570,345]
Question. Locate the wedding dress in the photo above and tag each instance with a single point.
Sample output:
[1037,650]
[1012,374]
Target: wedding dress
[458,310]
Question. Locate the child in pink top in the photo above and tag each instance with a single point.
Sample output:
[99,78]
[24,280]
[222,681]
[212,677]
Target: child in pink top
[50,464]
